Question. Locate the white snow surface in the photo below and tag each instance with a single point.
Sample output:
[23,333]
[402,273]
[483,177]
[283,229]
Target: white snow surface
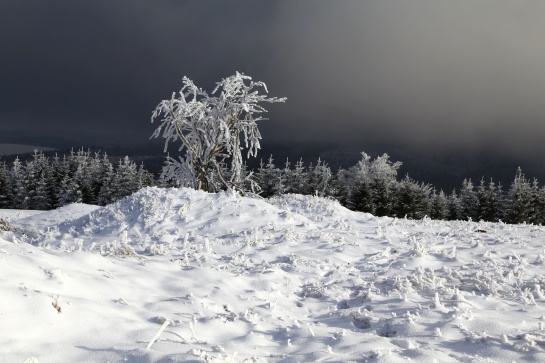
[178,275]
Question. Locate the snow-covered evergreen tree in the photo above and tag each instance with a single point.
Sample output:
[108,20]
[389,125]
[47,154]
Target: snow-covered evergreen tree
[144,177]
[519,200]
[439,206]
[379,176]
[68,192]
[59,171]
[454,206]
[212,130]
[6,192]
[412,200]
[339,187]
[95,169]
[38,183]
[270,179]
[107,183]
[469,202]
[41,199]
[125,181]
[18,185]
[383,195]
[361,198]
[490,201]
[538,205]
[296,179]
[318,178]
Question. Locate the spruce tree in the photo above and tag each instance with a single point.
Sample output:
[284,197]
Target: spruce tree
[296,179]
[42,195]
[361,199]
[439,206]
[18,185]
[318,178]
[68,192]
[38,183]
[382,197]
[339,188]
[6,193]
[519,200]
[469,202]
[269,179]
[412,199]
[490,202]
[125,181]
[455,210]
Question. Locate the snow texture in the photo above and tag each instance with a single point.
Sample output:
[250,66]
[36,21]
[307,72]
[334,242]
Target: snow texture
[178,275]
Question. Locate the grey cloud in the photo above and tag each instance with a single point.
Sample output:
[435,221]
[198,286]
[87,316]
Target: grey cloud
[442,74]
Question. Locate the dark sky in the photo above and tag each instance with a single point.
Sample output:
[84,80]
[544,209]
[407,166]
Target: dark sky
[426,74]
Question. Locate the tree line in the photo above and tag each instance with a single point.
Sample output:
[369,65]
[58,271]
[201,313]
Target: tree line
[373,186]
[80,177]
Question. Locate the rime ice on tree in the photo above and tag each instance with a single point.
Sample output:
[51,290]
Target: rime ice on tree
[211,130]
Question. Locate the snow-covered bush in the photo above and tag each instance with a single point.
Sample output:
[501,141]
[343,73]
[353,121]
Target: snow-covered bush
[211,130]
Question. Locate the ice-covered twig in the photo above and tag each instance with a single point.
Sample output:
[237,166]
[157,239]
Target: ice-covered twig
[165,324]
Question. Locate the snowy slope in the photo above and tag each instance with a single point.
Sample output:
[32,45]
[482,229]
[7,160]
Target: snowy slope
[16,214]
[182,275]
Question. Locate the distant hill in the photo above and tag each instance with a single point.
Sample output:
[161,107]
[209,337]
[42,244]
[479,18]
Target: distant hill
[11,149]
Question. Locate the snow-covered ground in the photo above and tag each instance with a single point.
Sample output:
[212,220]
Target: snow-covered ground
[181,275]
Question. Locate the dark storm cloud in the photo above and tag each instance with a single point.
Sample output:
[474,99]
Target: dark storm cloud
[103,65]
[429,72]
[426,73]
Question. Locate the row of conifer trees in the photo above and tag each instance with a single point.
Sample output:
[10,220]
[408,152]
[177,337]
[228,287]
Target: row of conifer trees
[372,185]
[80,177]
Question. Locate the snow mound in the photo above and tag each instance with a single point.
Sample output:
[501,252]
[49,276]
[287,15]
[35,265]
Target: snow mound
[169,217]
[317,208]
[44,219]
[11,215]
[181,275]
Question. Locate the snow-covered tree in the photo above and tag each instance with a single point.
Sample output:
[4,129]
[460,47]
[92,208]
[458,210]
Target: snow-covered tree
[439,206]
[490,201]
[144,177]
[361,198]
[519,200]
[38,183]
[375,181]
[68,192]
[537,204]
[125,181]
[41,200]
[296,178]
[412,200]
[107,183]
[469,202]
[318,178]
[212,130]
[454,206]
[339,188]
[6,193]
[270,179]
[18,185]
